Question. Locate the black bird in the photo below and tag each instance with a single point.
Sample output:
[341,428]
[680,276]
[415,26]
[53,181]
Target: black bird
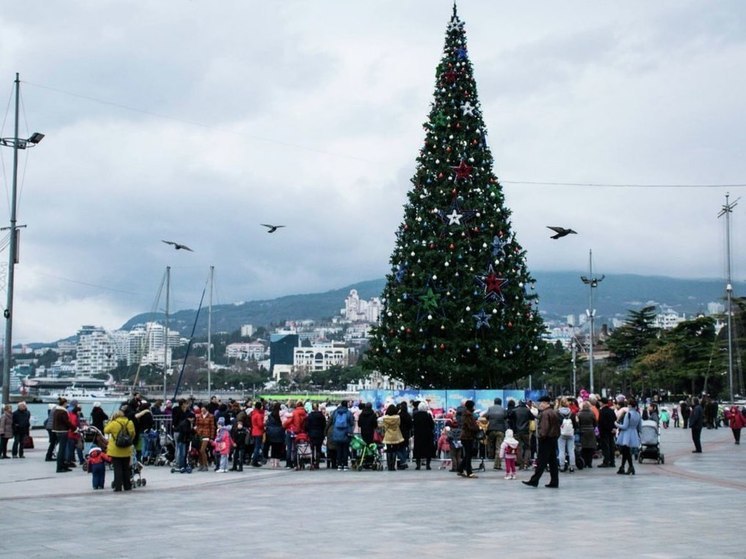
[178,246]
[271,228]
[560,232]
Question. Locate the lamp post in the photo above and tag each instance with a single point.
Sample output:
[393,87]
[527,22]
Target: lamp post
[16,143]
[726,211]
[591,282]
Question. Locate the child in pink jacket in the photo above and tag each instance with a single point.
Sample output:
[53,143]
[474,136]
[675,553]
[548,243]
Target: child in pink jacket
[223,445]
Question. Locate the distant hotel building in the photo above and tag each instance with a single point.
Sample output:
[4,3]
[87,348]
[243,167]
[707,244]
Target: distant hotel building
[96,351]
[321,357]
[359,310]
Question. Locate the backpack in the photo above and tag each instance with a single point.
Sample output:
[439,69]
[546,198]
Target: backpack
[123,439]
[566,428]
[340,421]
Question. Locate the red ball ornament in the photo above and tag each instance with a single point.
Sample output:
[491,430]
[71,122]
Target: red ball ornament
[432,246]
[442,347]
[448,149]
[409,330]
[440,175]
[454,192]
[452,246]
[510,324]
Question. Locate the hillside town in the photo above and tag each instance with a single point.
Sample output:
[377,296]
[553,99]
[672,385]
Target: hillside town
[295,350]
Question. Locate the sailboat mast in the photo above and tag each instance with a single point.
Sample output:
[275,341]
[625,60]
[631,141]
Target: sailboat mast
[209,336]
[165,331]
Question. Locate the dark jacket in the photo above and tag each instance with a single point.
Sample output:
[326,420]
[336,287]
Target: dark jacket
[406,424]
[587,424]
[606,420]
[368,422]
[316,425]
[185,429]
[423,429]
[696,419]
[274,430]
[521,417]
[239,435]
[98,417]
[21,422]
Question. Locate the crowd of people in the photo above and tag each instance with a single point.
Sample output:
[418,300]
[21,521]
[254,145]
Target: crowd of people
[559,435]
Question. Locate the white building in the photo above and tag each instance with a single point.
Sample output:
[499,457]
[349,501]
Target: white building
[247,330]
[360,310]
[668,319]
[96,351]
[715,308]
[321,357]
[252,351]
[147,344]
[376,381]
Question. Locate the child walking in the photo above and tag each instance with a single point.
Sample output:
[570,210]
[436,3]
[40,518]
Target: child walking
[223,445]
[97,460]
[509,453]
[444,449]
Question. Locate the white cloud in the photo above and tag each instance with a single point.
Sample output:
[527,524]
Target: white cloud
[193,122]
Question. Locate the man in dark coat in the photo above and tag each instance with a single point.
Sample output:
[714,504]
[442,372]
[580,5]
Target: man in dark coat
[549,432]
[423,429]
[406,432]
[520,417]
[606,428]
[368,422]
[696,422]
[21,428]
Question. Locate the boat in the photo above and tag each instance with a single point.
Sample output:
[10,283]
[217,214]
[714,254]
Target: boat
[82,395]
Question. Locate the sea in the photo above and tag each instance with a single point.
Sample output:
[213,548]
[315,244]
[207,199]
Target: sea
[39,411]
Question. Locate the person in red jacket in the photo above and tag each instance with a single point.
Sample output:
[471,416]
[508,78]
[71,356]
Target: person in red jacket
[97,460]
[257,432]
[295,424]
[736,421]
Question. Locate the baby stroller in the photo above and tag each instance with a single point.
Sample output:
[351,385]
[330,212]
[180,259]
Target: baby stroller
[303,451]
[92,437]
[150,450]
[650,442]
[368,455]
[167,452]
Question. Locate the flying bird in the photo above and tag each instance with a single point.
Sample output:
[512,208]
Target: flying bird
[271,228]
[560,232]
[178,246]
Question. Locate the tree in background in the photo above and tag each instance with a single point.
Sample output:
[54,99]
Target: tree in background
[460,306]
[630,340]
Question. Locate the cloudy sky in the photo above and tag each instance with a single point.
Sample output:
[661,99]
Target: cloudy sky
[198,120]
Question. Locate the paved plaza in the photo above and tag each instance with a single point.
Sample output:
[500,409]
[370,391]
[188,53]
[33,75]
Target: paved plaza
[691,506]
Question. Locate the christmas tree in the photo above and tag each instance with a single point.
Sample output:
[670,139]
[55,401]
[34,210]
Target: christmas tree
[459,304]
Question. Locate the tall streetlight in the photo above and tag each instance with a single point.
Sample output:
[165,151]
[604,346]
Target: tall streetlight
[726,211]
[16,143]
[591,282]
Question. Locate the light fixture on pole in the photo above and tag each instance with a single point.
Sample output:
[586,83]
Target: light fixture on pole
[726,211]
[16,143]
[591,282]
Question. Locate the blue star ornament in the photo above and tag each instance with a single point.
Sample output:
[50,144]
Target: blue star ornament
[461,53]
[498,246]
[483,319]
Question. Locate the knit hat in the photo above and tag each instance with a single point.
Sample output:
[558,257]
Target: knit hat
[509,434]
[221,421]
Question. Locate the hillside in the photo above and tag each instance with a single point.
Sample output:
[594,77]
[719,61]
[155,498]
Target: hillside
[561,293]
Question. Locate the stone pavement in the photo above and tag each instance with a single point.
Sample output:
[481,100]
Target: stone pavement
[691,506]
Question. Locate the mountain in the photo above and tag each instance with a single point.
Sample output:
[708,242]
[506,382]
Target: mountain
[560,294]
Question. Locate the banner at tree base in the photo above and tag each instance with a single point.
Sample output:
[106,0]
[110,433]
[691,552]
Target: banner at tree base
[440,401]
